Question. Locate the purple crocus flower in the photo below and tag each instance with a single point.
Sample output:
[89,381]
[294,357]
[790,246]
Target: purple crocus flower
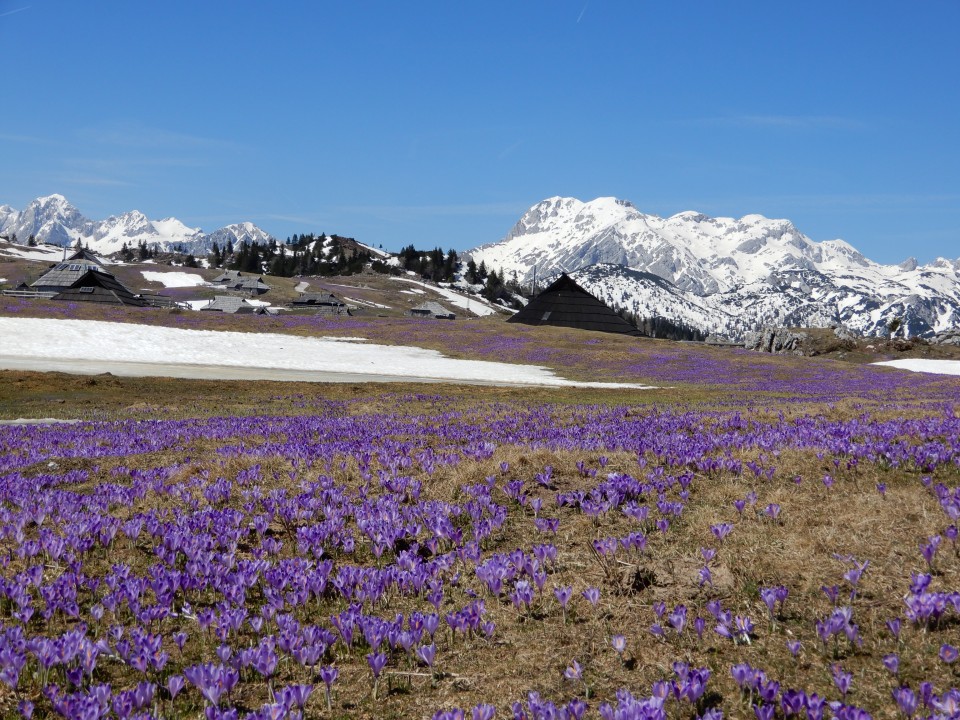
[906,700]
[704,576]
[893,625]
[483,711]
[427,653]
[892,663]
[949,654]
[592,595]
[698,626]
[619,643]
[842,679]
[175,684]
[574,671]
[764,712]
[328,674]
[377,661]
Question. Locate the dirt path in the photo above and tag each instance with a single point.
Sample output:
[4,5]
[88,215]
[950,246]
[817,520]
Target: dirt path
[220,372]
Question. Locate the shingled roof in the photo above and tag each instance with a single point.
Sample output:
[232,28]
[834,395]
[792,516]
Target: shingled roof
[84,254]
[64,275]
[233,305]
[566,304]
[99,287]
[235,280]
[318,298]
[432,309]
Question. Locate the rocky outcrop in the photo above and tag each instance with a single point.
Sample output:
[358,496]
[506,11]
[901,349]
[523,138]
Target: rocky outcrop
[845,334]
[949,337]
[777,340]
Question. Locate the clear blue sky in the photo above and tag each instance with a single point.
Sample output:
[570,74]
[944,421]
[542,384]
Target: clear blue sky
[439,123]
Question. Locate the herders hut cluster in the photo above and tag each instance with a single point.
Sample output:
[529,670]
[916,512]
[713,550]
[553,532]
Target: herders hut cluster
[237,281]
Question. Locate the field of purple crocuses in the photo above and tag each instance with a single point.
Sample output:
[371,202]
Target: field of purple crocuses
[442,557]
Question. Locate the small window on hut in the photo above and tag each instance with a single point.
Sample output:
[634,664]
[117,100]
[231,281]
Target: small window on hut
[546,315]
[86,289]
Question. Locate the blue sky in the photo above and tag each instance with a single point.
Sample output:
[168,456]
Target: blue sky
[440,123]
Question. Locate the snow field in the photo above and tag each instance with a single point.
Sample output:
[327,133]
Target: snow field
[89,340]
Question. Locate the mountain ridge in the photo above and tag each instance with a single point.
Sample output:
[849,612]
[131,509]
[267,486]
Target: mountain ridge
[52,219]
[726,276]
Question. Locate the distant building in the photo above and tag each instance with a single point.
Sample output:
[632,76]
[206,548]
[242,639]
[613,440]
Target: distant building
[566,304]
[323,303]
[63,275]
[93,285]
[82,278]
[233,305]
[432,309]
[235,280]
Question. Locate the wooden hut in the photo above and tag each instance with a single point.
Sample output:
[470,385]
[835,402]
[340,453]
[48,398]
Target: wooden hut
[233,305]
[236,280]
[432,309]
[323,303]
[97,286]
[566,304]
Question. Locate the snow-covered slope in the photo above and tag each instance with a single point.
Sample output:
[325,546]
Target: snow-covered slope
[54,220]
[722,274]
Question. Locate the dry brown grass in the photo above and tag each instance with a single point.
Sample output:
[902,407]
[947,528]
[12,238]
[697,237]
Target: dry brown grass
[530,650]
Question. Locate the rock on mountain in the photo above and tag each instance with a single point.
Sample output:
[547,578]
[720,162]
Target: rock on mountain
[54,220]
[723,276]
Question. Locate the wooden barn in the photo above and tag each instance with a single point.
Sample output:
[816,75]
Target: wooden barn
[233,305]
[433,310]
[236,280]
[566,304]
[323,303]
[97,286]
[65,274]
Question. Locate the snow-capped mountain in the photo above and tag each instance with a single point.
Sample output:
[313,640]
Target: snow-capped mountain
[238,233]
[723,275]
[54,220]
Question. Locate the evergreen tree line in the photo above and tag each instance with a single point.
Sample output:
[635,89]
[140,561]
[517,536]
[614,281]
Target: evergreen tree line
[431,264]
[299,255]
[143,252]
[662,328]
[496,287]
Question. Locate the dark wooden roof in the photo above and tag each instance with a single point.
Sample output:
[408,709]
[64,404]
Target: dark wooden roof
[65,274]
[84,254]
[235,280]
[566,304]
[318,298]
[432,309]
[99,287]
[233,305]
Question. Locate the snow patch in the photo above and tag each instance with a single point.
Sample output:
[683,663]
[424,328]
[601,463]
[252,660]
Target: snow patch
[92,341]
[936,367]
[474,305]
[173,279]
